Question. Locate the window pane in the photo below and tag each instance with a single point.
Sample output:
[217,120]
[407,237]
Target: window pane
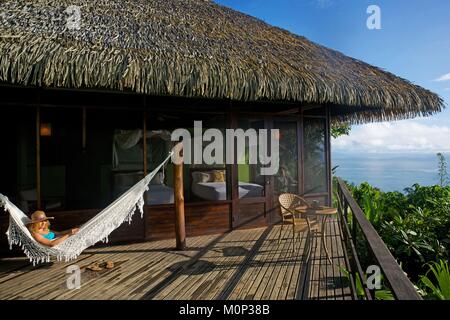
[202,181]
[250,181]
[208,182]
[286,180]
[315,158]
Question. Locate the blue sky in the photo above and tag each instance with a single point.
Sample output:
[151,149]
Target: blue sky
[413,43]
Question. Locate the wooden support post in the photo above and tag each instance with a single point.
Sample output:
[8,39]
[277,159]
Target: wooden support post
[328,155]
[83,133]
[145,151]
[180,229]
[144,141]
[232,172]
[38,158]
[354,231]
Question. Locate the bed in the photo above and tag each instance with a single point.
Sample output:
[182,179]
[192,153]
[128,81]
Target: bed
[158,193]
[210,185]
[215,191]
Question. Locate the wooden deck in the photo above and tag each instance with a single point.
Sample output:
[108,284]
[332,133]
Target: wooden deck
[242,264]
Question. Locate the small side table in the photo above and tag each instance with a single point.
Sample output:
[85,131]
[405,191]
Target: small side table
[323,213]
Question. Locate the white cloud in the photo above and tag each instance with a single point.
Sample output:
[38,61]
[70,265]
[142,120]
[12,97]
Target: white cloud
[404,136]
[445,77]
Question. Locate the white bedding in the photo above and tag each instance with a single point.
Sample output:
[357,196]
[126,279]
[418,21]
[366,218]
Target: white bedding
[215,191]
[159,194]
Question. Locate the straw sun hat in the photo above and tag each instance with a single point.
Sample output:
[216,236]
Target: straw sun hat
[39,216]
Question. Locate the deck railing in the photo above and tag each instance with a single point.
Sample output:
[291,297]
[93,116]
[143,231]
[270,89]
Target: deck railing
[364,248]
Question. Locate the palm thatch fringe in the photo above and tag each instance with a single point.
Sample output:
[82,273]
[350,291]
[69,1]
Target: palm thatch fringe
[193,48]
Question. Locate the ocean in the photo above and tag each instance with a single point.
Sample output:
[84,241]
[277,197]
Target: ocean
[388,172]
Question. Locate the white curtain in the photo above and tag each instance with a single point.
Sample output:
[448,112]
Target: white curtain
[127,139]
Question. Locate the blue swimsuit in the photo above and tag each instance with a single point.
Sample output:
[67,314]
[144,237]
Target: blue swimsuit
[50,235]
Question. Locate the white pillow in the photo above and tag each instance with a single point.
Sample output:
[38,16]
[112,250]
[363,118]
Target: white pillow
[199,177]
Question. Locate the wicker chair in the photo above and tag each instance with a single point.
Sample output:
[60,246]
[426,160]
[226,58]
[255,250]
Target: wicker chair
[290,203]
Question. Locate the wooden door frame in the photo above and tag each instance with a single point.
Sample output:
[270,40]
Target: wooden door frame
[268,200]
[327,145]
[298,120]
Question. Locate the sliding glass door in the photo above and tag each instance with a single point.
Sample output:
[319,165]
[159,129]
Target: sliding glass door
[287,178]
[251,185]
[258,193]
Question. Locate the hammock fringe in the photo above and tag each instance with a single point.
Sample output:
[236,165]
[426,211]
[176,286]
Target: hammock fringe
[95,230]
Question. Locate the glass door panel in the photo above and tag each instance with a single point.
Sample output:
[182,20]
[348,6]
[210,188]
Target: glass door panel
[251,184]
[258,194]
[315,167]
[287,178]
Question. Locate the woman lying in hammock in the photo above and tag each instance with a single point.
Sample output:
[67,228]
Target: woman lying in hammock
[39,228]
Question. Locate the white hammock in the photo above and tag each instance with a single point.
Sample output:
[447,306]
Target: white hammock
[95,230]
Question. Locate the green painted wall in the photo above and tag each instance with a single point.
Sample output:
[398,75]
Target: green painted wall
[244,172]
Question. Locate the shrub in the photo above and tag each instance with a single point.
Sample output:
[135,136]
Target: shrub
[415,225]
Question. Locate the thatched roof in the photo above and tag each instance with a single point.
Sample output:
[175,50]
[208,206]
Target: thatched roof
[193,48]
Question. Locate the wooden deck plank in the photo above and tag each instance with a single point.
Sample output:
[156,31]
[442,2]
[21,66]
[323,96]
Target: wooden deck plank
[265,257]
[287,258]
[26,267]
[234,288]
[143,268]
[325,271]
[279,274]
[124,284]
[332,292]
[315,269]
[333,279]
[267,284]
[290,281]
[241,264]
[217,278]
[56,282]
[56,286]
[260,257]
[102,287]
[299,274]
[180,276]
[34,277]
[218,288]
[346,290]
[173,275]
[197,273]
[324,266]
[338,262]
[157,273]
[266,239]
[12,265]
[321,270]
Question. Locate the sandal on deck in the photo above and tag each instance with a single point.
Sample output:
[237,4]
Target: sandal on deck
[94,267]
[108,264]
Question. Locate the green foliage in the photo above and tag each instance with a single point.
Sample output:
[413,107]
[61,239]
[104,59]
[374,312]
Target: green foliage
[381,294]
[384,295]
[440,287]
[415,225]
[340,130]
